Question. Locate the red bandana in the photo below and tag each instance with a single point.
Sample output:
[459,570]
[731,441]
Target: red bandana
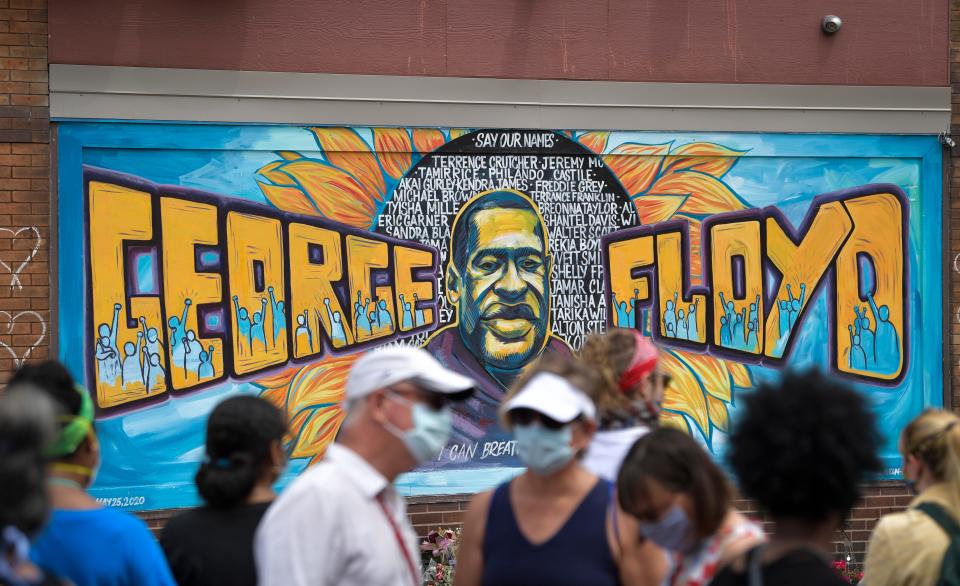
[643,362]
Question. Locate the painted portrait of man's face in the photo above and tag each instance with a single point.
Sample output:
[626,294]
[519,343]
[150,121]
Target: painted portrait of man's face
[499,279]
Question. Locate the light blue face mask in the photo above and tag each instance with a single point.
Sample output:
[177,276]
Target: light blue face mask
[670,532]
[544,451]
[430,432]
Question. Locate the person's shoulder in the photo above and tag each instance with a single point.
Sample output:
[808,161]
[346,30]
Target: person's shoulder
[182,525]
[121,521]
[320,486]
[478,509]
[906,528]
[320,477]
[743,534]
[803,567]
[482,499]
[480,503]
[896,523]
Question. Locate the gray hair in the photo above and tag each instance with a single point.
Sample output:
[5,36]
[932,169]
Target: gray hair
[27,427]
[351,407]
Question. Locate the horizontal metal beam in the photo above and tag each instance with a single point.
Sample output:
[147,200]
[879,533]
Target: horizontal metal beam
[132,93]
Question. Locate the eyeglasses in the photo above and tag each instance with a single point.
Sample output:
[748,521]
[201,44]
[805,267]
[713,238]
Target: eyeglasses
[529,416]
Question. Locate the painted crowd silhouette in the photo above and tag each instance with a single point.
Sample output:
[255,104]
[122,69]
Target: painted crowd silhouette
[874,345]
[142,363]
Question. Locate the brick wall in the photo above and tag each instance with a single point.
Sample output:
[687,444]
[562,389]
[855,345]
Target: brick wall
[24,184]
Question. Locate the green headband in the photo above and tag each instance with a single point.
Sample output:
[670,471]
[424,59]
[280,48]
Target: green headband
[77,428]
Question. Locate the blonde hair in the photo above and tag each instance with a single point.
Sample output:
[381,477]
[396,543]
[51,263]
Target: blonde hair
[577,374]
[609,354]
[934,438]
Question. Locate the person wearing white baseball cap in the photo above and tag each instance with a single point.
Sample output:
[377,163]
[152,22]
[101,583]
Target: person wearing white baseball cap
[341,522]
[557,523]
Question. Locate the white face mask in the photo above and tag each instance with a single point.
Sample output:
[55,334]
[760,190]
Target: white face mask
[430,432]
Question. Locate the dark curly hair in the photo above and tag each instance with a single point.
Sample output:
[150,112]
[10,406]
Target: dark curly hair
[803,447]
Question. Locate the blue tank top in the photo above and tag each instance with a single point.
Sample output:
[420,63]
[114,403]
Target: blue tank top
[577,555]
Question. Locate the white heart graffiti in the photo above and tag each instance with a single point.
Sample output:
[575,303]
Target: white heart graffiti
[15,272]
[18,360]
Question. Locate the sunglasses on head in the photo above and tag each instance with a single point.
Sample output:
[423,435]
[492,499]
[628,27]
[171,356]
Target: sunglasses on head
[529,416]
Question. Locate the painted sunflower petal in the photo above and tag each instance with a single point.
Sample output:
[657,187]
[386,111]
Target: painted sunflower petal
[277,379]
[320,383]
[427,140]
[719,416]
[270,167]
[275,395]
[706,157]
[394,149]
[456,133]
[707,194]
[636,165]
[711,373]
[595,141]
[740,374]
[295,426]
[318,432]
[336,194]
[289,155]
[276,176]
[345,149]
[675,420]
[288,199]
[685,394]
[657,208]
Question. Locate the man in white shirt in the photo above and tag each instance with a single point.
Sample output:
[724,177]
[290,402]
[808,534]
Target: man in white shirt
[341,522]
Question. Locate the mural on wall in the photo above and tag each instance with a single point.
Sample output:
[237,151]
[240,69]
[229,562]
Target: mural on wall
[218,260]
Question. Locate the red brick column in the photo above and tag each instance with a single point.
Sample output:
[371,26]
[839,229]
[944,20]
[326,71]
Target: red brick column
[25,327]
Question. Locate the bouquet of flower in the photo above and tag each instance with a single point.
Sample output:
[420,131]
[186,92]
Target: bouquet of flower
[439,555]
[847,571]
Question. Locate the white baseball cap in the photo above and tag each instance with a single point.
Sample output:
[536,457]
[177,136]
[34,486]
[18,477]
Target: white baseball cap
[383,367]
[552,395]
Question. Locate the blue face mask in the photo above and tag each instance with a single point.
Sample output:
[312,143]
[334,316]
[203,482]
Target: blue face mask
[544,451]
[671,531]
[430,432]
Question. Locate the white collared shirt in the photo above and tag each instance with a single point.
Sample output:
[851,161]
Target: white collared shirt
[328,528]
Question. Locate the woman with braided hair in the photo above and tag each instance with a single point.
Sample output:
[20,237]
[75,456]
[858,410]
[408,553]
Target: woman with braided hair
[628,401]
[919,546]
